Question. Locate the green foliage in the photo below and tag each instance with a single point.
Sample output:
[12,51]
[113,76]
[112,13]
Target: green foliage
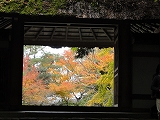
[58,3]
[86,98]
[128,9]
[81,51]
[104,96]
[32,7]
[11,6]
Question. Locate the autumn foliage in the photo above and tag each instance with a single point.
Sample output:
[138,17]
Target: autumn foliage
[33,88]
[67,80]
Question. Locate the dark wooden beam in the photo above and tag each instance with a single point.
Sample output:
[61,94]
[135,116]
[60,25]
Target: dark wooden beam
[16,61]
[107,34]
[27,30]
[5,23]
[125,83]
[53,31]
[93,34]
[39,32]
[70,43]
[80,33]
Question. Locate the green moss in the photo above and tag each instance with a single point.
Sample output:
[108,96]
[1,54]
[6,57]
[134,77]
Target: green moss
[32,7]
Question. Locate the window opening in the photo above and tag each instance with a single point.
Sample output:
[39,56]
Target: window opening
[68,76]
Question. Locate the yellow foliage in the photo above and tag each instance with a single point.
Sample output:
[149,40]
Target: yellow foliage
[64,78]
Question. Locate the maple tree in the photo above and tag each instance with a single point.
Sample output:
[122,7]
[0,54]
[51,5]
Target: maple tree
[65,84]
[90,75]
[105,93]
[34,90]
[69,80]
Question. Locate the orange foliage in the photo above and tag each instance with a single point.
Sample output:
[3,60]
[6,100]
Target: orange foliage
[33,89]
[64,89]
[72,76]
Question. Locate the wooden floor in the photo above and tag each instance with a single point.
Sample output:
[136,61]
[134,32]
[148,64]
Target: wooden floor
[48,115]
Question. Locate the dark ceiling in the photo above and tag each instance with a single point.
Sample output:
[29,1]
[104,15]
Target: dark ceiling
[99,33]
[68,32]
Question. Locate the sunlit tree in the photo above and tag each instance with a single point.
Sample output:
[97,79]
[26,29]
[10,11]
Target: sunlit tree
[34,90]
[70,80]
[105,84]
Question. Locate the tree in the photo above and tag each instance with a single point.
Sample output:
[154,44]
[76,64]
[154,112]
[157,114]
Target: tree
[46,67]
[105,93]
[31,7]
[64,84]
[34,91]
[111,9]
[70,80]
[63,90]
[98,65]
[42,60]
[33,50]
[88,76]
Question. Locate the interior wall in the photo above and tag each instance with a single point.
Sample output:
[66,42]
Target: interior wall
[143,68]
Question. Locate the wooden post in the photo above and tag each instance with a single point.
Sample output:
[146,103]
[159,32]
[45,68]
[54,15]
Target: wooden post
[125,82]
[4,67]
[16,60]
